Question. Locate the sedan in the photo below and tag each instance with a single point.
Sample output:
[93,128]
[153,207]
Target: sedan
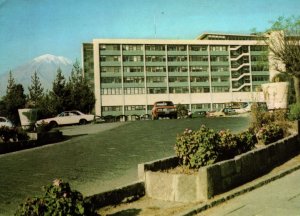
[67,118]
[5,122]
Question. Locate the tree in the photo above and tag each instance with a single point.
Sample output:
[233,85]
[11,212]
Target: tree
[82,96]
[59,94]
[10,82]
[36,91]
[284,44]
[14,99]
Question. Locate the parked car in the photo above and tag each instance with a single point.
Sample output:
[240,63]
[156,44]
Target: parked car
[223,112]
[68,118]
[164,109]
[5,122]
[199,114]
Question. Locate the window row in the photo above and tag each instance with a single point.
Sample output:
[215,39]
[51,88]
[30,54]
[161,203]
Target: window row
[163,90]
[162,47]
[163,79]
[159,58]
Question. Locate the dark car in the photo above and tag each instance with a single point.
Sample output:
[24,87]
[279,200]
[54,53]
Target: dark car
[199,114]
[164,109]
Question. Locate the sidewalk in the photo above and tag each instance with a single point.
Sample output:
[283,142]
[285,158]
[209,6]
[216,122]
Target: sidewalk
[256,202]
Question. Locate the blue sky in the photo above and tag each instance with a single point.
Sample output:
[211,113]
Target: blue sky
[29,28]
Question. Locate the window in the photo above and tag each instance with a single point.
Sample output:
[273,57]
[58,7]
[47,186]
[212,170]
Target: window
[111,108]
[220,89]
[199,89]
[177,69]
[132,58]
[133,79]
[199,69]
[110,80]
[111,91]
[259,48]
[178,90]
[198,48]
[219,58]
[110,58]
[134,90]
[155,47]
[198,58]
[199,79]
[259,58]
[156,79]
[155,58]
[177,58]
[133,69]
[219,68]
[220,79]
[218,48]
[260,78]
[134,107]
[156,69]
[109,47]
[130,47]
[260,68]
[156,90]
[110,69]
[178,79]
[176,47]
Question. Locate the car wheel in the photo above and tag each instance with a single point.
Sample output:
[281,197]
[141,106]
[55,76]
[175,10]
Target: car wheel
[53,124]
[82,121]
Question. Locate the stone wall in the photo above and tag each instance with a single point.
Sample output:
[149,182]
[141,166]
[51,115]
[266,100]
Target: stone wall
[216,178]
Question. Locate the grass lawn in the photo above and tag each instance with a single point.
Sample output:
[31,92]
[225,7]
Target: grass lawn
[96,162]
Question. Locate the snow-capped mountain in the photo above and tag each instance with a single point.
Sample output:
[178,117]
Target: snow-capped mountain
[46,67]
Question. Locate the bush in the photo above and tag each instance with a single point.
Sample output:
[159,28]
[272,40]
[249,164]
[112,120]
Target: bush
[294,113]
[203,147]
[13,134]
[182,111]
[227,146]
[246,141]
[43,127]
[58,200]
[269,133]
[197,148]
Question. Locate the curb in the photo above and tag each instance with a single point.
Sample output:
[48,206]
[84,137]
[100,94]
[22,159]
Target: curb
[237,192]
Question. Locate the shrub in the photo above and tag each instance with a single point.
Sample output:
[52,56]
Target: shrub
[13,134]
[197,148]
[294,113]
[182,111]
[246,141]
[57,200]
[204,146]
[43,127]
[269,133]
[227,146]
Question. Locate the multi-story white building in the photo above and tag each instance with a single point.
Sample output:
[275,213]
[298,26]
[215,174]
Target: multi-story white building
[129,75]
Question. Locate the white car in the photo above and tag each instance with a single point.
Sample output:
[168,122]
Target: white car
[5,122]
[67,118]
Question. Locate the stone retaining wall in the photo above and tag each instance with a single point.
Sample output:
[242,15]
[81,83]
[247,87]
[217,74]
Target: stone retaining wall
[216,178]
[124,194]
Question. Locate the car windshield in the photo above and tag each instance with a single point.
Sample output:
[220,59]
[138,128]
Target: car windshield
[164,103]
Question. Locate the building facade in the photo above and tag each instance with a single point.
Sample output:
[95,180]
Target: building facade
[129,75]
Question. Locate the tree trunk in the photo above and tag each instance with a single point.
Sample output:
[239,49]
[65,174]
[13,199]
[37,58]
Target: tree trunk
[297,88]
